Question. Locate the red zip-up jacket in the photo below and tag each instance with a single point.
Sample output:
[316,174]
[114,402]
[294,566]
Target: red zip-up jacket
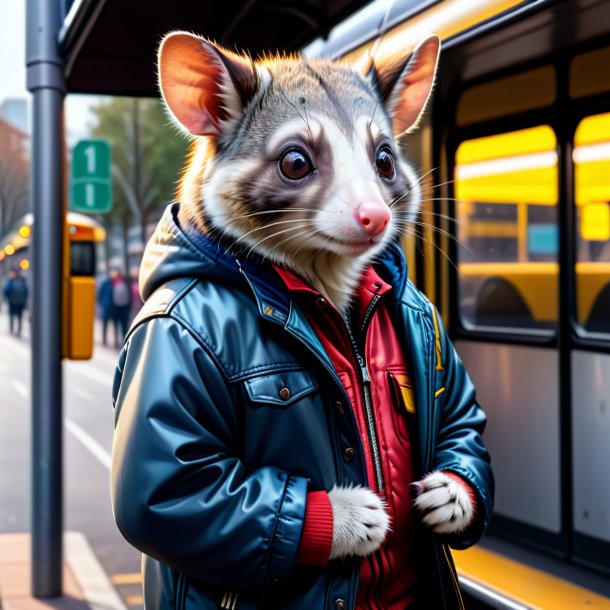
[389,576]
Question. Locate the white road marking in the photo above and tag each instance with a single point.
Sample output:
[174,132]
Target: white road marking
[97,588]
[89,443]
[20,387]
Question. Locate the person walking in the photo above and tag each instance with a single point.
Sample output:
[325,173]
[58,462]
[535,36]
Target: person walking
[121,305]
[16,294]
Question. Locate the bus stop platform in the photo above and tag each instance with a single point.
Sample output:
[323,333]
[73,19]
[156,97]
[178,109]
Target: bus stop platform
[85,584]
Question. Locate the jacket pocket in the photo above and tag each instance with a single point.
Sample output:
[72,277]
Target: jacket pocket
[280,389]
[404,410]
[402,390]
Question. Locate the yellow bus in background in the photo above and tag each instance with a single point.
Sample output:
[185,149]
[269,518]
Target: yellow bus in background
[81,235]
[507,191]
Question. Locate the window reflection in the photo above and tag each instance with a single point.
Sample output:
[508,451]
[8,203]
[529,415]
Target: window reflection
[507,191]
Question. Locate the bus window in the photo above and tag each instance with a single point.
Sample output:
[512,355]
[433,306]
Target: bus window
[510,95]
[507,191]
[592,199]
[82,258]
[589,74]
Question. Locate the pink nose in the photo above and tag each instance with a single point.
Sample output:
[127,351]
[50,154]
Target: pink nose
[373,216]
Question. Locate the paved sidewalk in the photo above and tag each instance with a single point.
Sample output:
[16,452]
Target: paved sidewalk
[85,586]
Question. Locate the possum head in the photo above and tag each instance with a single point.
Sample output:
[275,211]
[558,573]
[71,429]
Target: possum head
[296,159]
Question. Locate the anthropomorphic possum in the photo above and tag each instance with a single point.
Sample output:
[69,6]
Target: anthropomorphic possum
[268,280]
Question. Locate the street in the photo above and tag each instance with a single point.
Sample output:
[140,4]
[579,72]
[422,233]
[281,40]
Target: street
[88,429]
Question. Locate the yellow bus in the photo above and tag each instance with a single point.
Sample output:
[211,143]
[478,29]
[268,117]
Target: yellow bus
[82,233]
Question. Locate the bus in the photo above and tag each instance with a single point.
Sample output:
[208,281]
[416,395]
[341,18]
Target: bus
[82,233]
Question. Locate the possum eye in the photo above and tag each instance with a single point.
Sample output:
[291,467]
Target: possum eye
[295,164]
[385,163]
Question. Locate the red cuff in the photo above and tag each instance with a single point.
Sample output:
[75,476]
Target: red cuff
[468,488]
[317,537]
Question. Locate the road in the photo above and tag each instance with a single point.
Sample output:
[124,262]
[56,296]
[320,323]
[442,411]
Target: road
[88,429]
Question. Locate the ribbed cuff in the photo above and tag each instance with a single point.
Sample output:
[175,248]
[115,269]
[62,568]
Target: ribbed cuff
[317,537]
[469,491]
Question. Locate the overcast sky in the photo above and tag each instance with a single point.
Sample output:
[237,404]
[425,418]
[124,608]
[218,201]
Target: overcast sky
[12,49]
[12,69]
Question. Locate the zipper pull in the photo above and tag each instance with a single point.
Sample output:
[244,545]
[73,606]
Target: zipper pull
[363,370]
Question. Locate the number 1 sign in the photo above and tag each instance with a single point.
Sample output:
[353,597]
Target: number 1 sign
[91,188]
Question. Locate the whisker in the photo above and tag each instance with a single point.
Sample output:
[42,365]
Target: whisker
[420,236]
[335,194]
[439,231]
[307,231]
[262,212]
[440,215]
[273,224]
[428,188]
[423,177]
[270,237]
[373,115]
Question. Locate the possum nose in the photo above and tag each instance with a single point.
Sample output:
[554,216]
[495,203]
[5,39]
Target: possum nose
[373,217]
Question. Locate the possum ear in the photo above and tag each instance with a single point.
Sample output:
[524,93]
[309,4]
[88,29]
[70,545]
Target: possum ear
[405,85]
[202,84]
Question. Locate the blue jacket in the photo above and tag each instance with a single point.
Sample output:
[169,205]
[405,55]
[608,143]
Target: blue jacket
[211,467]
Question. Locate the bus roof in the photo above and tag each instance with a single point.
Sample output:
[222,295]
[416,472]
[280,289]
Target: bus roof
[110,45]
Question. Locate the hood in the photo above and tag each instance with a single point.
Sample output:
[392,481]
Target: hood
[173,252]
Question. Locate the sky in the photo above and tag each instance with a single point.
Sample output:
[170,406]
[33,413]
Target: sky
[13,73]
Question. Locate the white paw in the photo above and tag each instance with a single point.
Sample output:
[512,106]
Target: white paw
[360,521]
[444,504]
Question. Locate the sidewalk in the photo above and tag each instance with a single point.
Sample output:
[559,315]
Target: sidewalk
[97,332]
[86,586]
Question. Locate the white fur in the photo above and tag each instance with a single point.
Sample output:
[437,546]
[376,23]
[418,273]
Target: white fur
[444,504]
[360,521]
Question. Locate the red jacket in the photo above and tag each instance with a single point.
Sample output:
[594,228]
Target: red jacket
[388,577]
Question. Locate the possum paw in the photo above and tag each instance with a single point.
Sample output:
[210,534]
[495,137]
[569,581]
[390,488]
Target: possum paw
[360,521]
[445,503]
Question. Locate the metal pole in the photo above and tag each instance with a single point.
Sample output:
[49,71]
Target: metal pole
[46,83]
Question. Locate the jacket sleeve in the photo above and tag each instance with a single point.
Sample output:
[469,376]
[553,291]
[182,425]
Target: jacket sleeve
[180,492]
[459,443]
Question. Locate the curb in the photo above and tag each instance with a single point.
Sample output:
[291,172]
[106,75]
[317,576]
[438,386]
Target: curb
[85,583]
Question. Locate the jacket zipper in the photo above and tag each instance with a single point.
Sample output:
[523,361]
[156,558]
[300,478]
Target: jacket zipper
[365,382]
[229,600]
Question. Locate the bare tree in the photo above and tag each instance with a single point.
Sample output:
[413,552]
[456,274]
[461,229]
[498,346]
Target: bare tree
[14,191]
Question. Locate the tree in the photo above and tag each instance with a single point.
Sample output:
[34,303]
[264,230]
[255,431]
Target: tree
[14,179]
[14,192]
[147,155]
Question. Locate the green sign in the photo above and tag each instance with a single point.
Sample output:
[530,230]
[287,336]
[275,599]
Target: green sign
[91,188]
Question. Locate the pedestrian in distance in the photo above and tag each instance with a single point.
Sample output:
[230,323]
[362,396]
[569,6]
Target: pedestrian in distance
[104,300]
[16,294]
[121,306]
